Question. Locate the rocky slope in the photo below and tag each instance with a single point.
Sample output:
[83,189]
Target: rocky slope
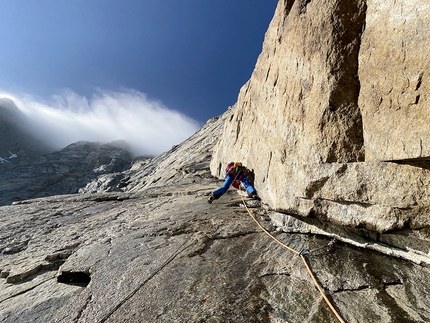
[160,253]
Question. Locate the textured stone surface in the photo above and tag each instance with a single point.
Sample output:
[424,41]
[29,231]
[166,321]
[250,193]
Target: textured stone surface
[165,255]
[394,66]
[301,100]
[378,196]
[315,119]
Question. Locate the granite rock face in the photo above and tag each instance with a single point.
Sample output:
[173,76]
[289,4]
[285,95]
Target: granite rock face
[301,99]
[334,118]
[162,254]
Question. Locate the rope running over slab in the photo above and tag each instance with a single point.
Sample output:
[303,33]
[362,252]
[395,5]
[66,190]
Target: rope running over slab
[303,259]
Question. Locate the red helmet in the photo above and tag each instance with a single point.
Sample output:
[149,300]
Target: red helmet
[230,165]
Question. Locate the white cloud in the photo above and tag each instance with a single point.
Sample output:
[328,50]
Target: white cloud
[147,125]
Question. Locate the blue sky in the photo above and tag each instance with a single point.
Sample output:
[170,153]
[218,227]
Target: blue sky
[190,55]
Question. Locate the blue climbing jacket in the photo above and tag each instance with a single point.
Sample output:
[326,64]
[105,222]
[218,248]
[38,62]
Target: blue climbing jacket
[236,175]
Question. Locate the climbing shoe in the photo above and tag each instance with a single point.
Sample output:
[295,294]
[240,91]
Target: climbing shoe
[255,196]
[211,198]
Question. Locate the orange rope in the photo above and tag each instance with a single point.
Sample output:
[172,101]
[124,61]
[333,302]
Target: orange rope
[321,290]
[304,261]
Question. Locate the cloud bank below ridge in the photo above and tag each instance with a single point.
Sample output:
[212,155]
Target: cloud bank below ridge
[146,125]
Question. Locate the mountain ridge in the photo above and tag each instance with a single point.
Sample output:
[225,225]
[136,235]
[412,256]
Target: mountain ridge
[15,133]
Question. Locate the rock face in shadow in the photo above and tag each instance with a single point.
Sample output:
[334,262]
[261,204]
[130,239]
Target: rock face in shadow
[61,172]
[15,134]
[334,117]
[29,168]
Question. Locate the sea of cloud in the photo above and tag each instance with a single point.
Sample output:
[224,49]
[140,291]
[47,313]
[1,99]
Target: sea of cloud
[146,125]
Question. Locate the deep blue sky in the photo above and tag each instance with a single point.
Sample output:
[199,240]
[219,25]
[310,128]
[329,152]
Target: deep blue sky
[192,55]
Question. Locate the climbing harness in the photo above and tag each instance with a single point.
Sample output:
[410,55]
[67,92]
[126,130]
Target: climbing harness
[301,253]
[180,249]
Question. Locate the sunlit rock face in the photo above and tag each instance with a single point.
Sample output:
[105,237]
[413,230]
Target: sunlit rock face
[339,89]
[393,72]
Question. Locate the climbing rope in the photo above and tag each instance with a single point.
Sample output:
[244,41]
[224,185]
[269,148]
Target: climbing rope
[180,249]
[301,254]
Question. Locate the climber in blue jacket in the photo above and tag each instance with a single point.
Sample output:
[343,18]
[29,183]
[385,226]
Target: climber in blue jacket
[238,176]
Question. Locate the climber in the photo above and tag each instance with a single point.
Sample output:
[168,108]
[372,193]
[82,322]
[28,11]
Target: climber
[242,179]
